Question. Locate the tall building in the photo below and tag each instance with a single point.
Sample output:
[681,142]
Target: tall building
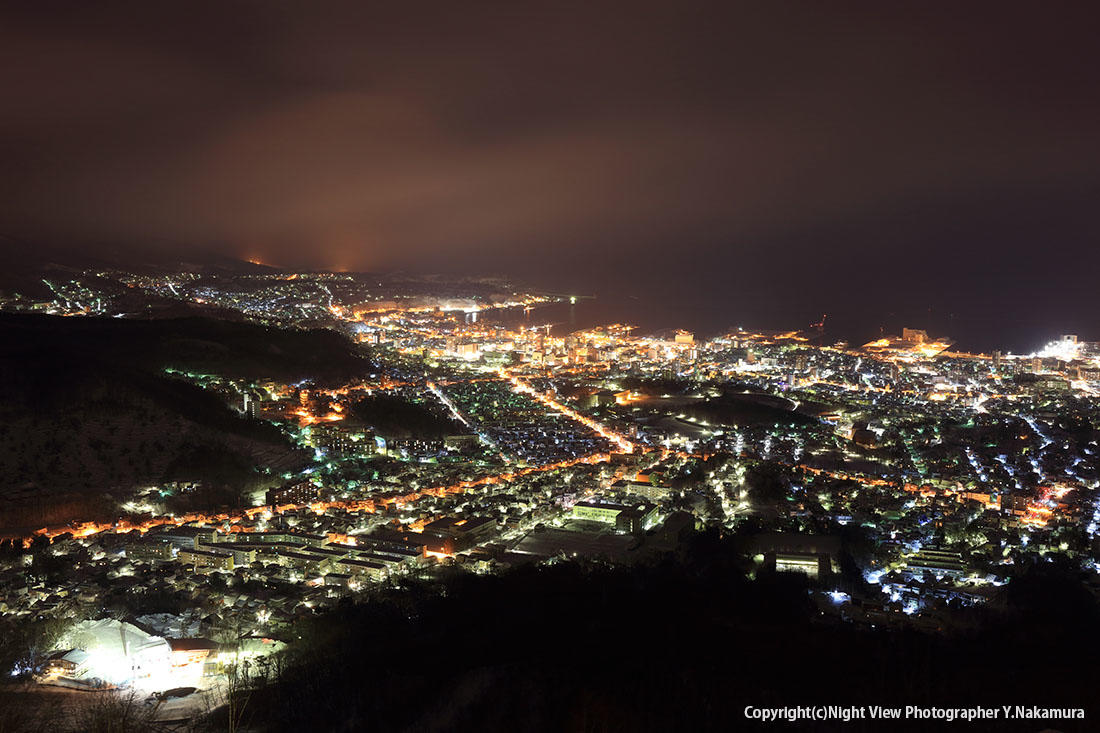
[916,335]
[298,492]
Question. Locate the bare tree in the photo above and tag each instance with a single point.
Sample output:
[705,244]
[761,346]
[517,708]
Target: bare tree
[114,712]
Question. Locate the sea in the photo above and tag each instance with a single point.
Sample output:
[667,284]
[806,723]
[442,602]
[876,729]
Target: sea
[975,330]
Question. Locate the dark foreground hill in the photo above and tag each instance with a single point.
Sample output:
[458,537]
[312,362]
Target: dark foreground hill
[89,409]
[681,644]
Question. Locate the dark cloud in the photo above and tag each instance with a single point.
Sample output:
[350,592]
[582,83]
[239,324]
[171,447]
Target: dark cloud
[580,141]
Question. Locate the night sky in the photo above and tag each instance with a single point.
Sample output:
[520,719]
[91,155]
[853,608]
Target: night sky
[755,162]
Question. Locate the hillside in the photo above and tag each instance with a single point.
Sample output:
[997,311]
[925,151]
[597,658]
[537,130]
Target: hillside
[394,416]
[65,345]
[24,263]
[88,409]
